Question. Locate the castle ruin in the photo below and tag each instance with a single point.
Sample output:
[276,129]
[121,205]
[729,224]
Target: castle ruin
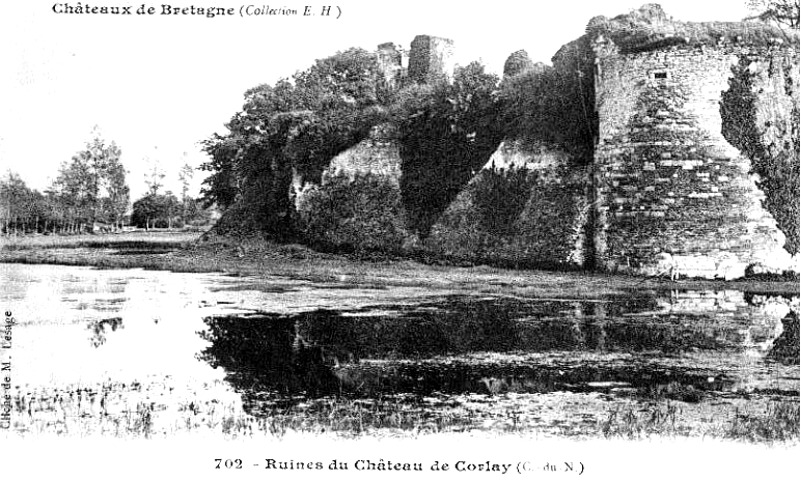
[430,59]
[672,193]
[662,188]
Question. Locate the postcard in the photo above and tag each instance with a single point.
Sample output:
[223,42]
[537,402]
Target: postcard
[421,239]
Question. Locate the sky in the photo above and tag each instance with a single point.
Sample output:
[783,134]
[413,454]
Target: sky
[157,85]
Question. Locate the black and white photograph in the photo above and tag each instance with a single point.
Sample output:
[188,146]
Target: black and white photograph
[415,240]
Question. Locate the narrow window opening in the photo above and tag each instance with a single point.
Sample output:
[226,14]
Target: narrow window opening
[660,75]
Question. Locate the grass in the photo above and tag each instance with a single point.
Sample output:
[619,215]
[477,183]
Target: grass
[184,252]
[780,421]
[632,422]
[139,239]
[131,413]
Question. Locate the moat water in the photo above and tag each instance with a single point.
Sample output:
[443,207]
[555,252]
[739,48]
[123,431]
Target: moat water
[133,352]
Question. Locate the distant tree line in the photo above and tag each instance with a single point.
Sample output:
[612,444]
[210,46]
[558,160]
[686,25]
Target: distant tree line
[90,193]
[90,189]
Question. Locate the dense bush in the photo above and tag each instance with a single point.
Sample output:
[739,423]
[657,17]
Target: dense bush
[483,216]
[552,227]
[359,213]
[500,196]
[157,210]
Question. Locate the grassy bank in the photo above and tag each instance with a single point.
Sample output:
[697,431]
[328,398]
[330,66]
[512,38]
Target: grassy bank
[128,412]
[185,252]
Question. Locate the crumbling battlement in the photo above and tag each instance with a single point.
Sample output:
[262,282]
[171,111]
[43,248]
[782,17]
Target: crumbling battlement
[393,62]
[431,59]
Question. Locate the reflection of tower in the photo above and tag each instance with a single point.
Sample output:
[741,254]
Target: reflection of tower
[599,311]
[578,321]
[431,59]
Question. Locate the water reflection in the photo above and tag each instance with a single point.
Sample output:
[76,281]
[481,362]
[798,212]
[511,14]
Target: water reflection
[99,351]
[99,329]
[785,348]
[266,353]
[682,345]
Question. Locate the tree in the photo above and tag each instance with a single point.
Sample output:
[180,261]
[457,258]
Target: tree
[220,187]
[185,176]
[115,203]
[291,129]
[156,211]
[21,207]
[92,186]
[784,13]
[154,179]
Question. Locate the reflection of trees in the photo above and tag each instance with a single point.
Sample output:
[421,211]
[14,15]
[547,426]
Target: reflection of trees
[450,347]
[451,327]
[265,354]
[99,329]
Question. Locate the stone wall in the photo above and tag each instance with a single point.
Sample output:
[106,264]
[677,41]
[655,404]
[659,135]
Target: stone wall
[393,62]
[667,191]
[430,59]
[527,207]
[672,193]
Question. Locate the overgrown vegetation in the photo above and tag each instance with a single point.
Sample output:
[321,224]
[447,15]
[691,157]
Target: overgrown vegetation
[770,138]
[287,134]
[555,105]
[482,222]
[446,132]
[360,214]
[779,422]
[649,28]
[292,128]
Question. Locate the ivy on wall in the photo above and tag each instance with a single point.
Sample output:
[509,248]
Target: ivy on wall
[774,153]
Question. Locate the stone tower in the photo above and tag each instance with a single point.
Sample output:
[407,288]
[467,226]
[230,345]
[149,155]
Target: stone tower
[671,192]
[431,59]
[393,62]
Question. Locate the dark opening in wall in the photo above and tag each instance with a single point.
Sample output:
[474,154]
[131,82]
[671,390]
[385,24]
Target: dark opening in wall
[660,75]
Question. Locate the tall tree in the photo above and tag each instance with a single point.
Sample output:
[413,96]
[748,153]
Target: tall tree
[92,186]
[117,193]
[154,178]
[185,176]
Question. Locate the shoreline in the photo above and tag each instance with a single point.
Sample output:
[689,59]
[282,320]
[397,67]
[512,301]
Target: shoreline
[181,252]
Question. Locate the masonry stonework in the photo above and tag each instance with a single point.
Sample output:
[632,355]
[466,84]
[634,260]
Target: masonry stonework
[672,193]
[664,191]
[431,59]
